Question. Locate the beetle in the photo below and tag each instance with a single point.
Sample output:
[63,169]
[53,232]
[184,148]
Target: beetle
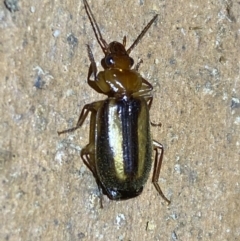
[119,153]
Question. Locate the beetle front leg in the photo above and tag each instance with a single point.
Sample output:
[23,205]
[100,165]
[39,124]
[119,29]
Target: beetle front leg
[136,67]
[92,72]
[157,167]
[145,92]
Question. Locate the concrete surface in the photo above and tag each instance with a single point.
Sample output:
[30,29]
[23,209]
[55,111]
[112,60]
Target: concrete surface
[191,56]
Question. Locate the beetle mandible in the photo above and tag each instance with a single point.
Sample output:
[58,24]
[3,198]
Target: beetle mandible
[119,153]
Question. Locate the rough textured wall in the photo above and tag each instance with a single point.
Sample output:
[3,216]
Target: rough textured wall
[191,56]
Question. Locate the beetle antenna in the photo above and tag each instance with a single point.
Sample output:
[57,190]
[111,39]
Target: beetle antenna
[141,35]
[103,44]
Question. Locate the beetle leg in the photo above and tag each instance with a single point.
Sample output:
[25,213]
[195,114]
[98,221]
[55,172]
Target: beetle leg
[88,152]
[156,124]
[86,109]
[149,100]
[136,67]
[145,92]
[157,167]
[145,89]
[93,65]
[81,119]
[87,155]
[92,72]
[148,97]
[148,87]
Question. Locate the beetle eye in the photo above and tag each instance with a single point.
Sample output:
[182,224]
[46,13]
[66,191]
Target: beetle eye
[131,62]
[109,60]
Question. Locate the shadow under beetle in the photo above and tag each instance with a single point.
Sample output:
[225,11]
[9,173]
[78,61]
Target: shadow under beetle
[119,153]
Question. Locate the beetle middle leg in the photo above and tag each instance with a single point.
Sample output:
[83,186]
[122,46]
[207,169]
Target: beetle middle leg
[85,111]
[81,119]
[157,167]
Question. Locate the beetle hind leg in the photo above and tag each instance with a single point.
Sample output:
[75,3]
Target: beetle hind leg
[86,155]
[89,160]
[157,168]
